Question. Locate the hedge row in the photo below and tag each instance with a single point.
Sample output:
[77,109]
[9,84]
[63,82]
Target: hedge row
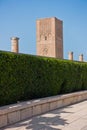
[25,77]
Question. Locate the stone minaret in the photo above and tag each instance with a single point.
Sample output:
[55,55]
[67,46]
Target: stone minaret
[70,55]
[50,37]
[14,44]
[81,57]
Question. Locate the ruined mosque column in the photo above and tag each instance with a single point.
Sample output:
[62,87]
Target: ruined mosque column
[14,44]
[81,57]
[70,55]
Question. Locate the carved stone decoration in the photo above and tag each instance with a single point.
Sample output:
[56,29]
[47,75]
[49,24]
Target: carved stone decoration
[45,51]
[42,37]
[49,36]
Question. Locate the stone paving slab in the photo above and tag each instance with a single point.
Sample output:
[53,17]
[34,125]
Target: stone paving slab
[73,117]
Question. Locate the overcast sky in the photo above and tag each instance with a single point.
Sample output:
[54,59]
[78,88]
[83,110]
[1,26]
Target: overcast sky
[18,18]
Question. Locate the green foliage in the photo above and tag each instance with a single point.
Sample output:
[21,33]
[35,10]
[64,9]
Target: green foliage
[25,77]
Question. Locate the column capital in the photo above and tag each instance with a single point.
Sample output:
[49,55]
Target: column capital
[14,38]
[70,52]
[81,55]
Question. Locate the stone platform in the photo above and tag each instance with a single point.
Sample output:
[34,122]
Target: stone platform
[73,117]
[11,114]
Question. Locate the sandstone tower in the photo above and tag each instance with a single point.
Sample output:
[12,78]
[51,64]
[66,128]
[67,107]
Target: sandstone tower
[50,37]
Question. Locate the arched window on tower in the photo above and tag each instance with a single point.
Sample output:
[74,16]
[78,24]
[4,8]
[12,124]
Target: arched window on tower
[45,37]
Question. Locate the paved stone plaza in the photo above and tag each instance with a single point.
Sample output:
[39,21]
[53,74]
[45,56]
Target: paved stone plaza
[73,117]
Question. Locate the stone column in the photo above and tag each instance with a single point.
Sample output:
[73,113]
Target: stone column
[70,54]
[81,57]
[14,44]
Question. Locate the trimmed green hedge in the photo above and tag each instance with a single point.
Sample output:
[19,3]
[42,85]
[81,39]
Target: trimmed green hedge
[24,77]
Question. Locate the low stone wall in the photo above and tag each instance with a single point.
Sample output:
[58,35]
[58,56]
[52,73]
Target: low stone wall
[13,113]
